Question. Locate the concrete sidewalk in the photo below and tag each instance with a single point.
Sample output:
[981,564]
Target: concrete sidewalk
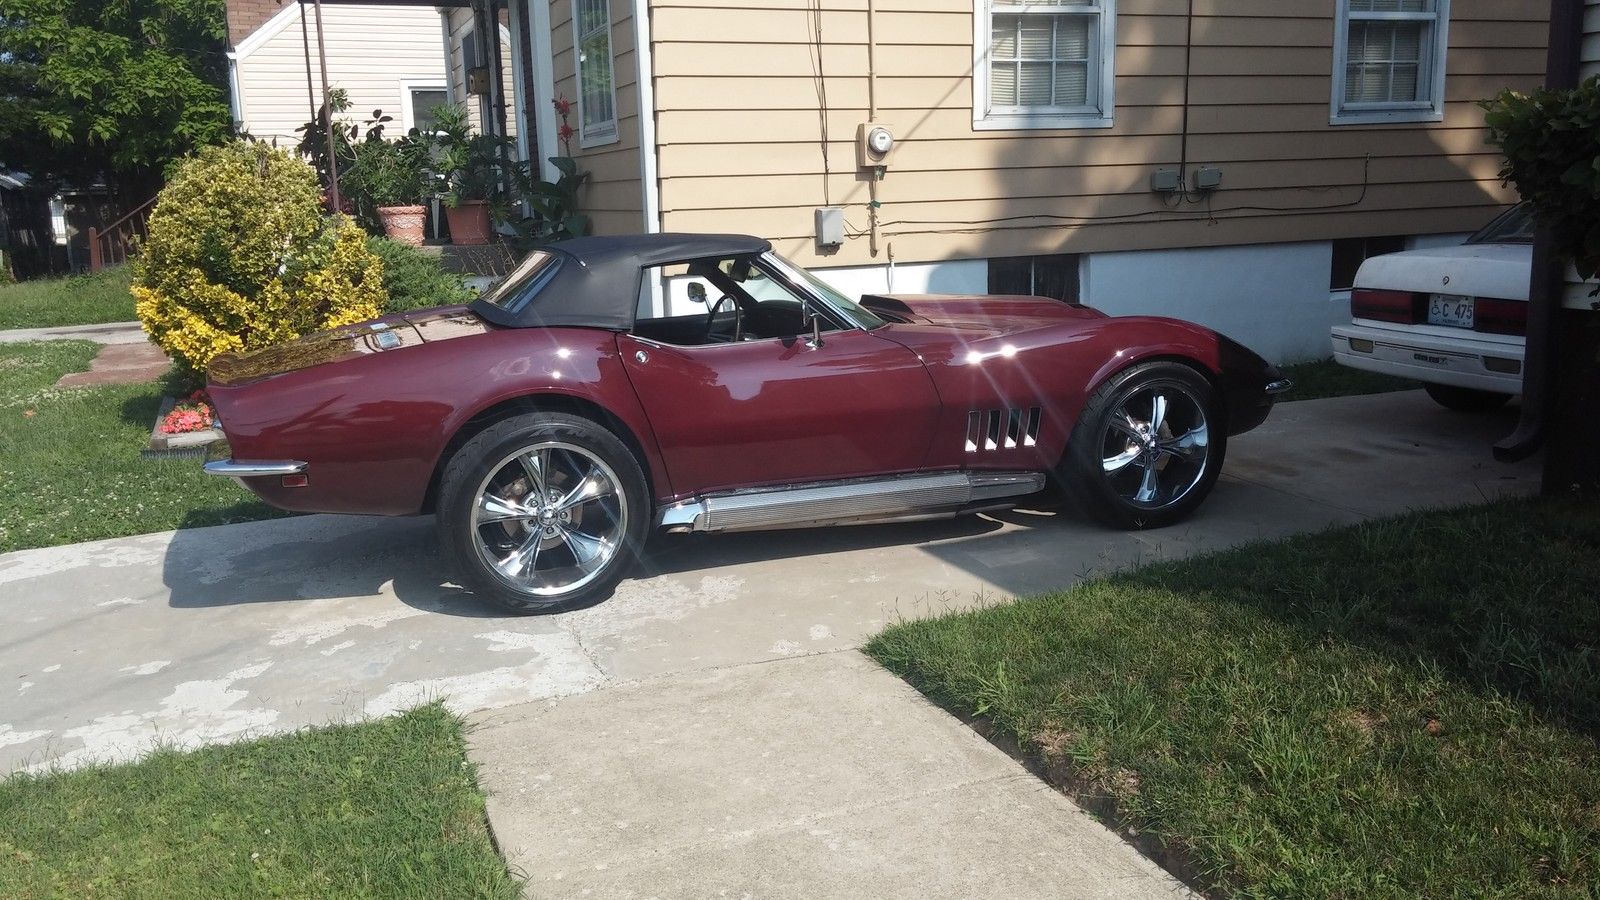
[214,634]
[108,333]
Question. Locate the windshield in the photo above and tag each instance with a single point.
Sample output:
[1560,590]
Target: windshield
[859,315]
[523,283]
[1514,226]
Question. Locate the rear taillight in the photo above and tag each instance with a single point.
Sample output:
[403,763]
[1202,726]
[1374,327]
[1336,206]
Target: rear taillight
[1499,316]
[1386,306]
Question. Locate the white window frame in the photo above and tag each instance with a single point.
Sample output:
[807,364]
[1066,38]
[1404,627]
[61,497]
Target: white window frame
[408,112]
[605,132]
[1432,67]
[1104,39]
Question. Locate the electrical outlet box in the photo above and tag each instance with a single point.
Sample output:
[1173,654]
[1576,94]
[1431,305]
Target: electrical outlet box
[1207,178]
[830,226]
[1164,181]
[478,80]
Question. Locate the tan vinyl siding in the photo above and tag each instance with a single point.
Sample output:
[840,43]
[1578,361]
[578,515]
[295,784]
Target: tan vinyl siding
[613,198]
[741,136]
[372,52]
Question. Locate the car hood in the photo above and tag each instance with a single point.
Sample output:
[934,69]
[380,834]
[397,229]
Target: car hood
[1476,270]
[391,332]
[999,312]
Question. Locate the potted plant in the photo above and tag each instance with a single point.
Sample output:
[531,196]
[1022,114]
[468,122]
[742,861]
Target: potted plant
[392,177]
[470,167]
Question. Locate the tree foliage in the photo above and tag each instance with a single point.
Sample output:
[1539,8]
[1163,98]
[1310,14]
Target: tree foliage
[1551,141]
[122,87]
[240,256]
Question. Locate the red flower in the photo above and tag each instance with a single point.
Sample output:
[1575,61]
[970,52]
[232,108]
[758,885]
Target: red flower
[563,106]
[566,132]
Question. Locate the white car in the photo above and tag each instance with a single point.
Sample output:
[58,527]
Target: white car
[1453,318]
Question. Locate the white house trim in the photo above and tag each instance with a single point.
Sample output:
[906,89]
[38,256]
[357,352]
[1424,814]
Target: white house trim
[1431,110]
[1105,38]
[644,88]
[269,29]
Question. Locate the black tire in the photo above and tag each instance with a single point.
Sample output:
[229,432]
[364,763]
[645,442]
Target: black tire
[1104,494]
[566,442]
[1465,399]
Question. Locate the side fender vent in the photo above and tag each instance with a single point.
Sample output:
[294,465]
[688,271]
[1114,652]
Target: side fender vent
[1002,429]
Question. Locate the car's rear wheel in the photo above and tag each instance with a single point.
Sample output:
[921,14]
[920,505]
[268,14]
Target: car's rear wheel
[1147,448]
[542,512]
[1463,399]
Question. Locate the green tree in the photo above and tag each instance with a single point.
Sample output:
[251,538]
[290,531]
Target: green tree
[120,88]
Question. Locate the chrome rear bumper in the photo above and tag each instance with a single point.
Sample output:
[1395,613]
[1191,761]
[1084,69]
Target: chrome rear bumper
[229,468]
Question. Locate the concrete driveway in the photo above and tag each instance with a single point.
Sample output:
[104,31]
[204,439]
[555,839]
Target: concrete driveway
[214,634]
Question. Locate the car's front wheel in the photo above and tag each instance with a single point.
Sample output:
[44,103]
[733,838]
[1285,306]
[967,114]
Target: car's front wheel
[1465,399]
[543,511]
[1147,448]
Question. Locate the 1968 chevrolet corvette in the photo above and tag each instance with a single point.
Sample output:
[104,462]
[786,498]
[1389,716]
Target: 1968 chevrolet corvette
[600,391]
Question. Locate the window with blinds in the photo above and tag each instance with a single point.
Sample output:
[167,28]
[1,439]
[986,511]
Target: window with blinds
[597,90]
[1043,64]
[1389,60]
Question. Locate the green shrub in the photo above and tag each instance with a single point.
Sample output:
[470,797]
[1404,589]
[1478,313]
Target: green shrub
[414,279]
[1551,140]
[240,256]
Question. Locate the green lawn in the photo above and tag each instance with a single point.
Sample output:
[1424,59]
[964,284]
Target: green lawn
[1404,708]
[1326,378]
[78,300]
[70,468]
[389,808]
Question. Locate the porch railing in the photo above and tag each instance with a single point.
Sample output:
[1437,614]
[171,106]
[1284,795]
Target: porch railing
[119,240]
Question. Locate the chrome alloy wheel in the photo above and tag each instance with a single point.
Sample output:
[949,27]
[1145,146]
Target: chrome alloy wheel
[1156,445]
[549,518]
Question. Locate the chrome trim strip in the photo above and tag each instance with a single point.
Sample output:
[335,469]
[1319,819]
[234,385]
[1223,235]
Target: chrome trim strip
[228,468]
[898,498]
[1280,386]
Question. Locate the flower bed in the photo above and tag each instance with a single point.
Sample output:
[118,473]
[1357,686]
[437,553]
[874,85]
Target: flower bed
[183,425]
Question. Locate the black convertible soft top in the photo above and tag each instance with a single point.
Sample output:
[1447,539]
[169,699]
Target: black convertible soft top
[595,282]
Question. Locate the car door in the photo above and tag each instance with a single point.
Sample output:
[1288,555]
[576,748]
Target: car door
[779,410]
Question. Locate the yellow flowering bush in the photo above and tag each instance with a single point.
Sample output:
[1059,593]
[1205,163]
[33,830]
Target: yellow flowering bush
[240,256]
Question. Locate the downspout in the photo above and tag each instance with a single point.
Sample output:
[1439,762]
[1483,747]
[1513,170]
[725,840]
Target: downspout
[1547,283]
[644,87]
[235,100]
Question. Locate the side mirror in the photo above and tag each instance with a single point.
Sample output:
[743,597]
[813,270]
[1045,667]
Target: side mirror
[697,292]
[809,314]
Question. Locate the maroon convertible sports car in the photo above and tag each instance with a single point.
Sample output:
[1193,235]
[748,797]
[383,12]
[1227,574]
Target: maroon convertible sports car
[600,391]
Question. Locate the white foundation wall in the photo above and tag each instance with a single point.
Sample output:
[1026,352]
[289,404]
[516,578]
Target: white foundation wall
[957,276]
[1273,298]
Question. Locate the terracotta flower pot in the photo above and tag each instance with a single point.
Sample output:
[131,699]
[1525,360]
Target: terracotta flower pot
[469,222]
[404,223]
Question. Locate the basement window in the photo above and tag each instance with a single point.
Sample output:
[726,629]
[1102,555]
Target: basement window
[1043,65]
[1350,253]
[1055,276]
[1388,61]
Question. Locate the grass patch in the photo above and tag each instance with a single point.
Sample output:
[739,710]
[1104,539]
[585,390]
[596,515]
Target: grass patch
[70,468]
[1326,378]
[75,300]
[1403,708]
[389,808]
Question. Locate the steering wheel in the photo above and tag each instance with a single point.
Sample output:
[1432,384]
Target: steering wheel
[711,321]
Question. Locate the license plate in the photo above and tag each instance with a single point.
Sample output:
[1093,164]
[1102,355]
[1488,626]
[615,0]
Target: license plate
[1451,310]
